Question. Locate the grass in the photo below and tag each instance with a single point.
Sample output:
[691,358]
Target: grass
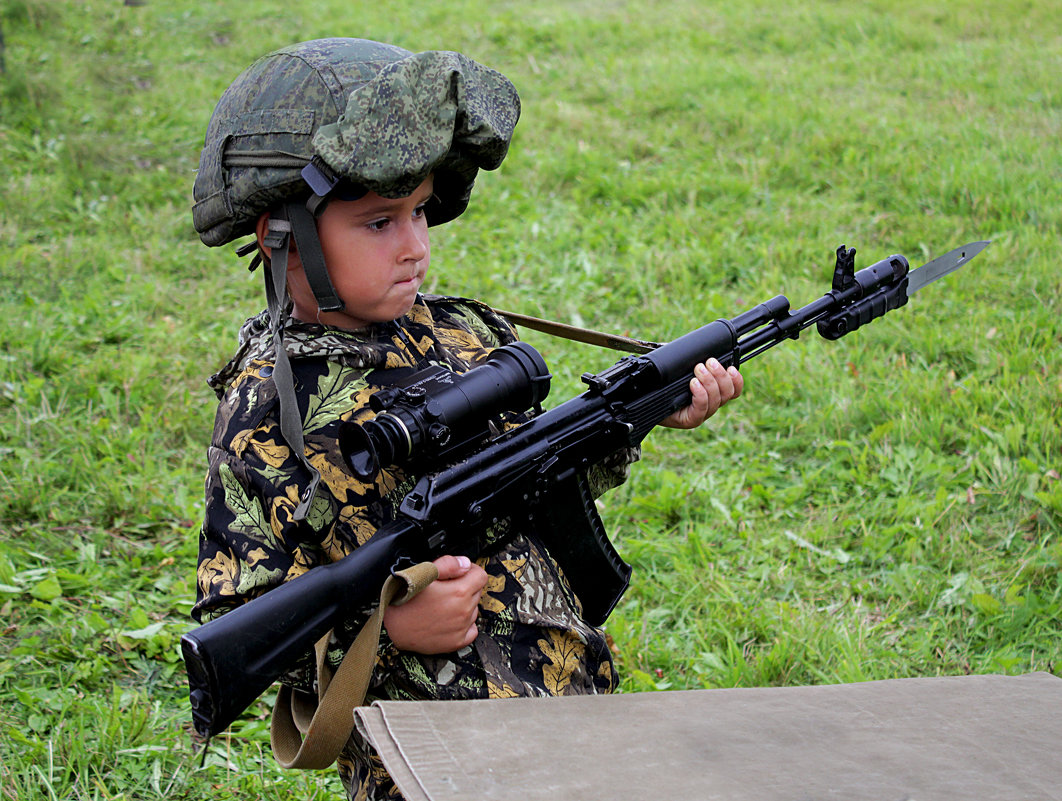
[888,505]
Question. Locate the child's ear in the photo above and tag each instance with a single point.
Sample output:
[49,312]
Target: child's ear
[261,228]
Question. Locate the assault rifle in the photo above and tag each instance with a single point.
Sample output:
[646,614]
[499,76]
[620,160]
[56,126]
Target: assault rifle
[473,475]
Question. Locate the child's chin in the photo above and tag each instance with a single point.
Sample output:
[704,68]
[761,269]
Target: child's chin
[402,309]
[406,295]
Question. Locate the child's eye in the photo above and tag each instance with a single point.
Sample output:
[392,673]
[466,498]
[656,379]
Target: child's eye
[419,211]
[378,225]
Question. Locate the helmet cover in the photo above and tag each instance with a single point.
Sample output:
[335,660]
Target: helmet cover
[379,117]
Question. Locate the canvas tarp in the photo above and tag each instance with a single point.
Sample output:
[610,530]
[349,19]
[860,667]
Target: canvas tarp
[969,737]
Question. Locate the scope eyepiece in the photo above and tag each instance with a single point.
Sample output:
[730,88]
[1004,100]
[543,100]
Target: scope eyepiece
[436,410]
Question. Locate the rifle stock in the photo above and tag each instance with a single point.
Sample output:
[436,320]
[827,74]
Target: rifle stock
[537,469]
[234,658]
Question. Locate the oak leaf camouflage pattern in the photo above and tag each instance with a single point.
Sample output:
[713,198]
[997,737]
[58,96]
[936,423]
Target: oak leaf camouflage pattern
[532,641]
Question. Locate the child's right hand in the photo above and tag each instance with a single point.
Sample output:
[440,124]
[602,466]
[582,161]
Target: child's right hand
[442,618]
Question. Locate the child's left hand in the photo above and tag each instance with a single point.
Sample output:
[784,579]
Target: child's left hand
[712,386]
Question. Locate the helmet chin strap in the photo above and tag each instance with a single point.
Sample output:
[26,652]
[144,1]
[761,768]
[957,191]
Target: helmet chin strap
[308,243]
[278,238]
[293,221]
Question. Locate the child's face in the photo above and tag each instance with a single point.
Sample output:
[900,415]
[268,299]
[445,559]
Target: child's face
[377,252]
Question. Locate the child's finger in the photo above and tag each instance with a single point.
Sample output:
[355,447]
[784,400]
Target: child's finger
[707,375]
[739,381]
[469,638]
[730,381]
[452,567]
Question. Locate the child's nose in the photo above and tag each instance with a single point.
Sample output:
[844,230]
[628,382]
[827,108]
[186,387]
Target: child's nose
[414,242]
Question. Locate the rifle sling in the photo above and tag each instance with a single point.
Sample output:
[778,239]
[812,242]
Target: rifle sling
[576,334]
[327,724]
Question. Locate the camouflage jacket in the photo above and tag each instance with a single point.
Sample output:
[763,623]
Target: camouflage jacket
[532,640]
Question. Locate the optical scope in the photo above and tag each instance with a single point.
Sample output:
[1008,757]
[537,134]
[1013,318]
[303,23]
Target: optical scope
[435,410]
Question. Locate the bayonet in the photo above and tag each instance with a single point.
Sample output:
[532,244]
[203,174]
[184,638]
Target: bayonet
[942,265]
[859,297]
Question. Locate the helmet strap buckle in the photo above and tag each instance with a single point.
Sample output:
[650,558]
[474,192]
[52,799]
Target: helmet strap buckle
[277,235]
[319,176]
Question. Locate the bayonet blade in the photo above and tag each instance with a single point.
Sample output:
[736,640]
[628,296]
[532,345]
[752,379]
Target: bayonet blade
[942,265]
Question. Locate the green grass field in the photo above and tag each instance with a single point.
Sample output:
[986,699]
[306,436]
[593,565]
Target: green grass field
[884,506]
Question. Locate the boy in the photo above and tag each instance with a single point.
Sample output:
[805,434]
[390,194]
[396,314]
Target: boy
[338,155]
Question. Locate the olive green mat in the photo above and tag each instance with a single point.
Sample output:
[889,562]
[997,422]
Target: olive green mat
[969,737]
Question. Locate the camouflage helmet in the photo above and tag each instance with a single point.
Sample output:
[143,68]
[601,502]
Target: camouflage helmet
[331,113]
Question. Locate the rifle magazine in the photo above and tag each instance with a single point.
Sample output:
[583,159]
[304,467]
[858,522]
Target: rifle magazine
[577,540]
